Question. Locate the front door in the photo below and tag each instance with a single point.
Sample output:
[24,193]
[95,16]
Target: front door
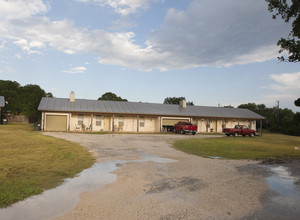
[107,124]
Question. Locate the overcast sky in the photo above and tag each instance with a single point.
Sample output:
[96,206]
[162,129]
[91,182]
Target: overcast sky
[210,51]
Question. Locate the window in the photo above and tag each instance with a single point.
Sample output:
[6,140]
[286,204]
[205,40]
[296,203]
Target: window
[121,121]
[98,120]
[142,122]
[80,120]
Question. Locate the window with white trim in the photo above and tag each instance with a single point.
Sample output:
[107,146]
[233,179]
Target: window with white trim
[142,121]
[98,120]
[121,121]
[80,120]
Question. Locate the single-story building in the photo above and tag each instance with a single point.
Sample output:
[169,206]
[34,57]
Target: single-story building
[63,114]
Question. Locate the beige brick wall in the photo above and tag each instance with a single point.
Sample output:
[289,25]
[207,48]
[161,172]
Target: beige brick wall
[150,125]
[201,125]
[74,122]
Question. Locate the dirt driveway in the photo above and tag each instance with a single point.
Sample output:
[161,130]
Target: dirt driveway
[155,181]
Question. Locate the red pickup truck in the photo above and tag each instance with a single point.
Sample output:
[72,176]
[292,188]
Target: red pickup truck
[239,130]
[185,127]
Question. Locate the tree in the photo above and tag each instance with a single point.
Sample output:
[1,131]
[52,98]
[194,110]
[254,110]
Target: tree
[277,119]
[250,106]
[228,106]
[31,96]
[289,11]
[297,102]
[109,96]
[11,92]
[176,101]
[22,100]
[49,95]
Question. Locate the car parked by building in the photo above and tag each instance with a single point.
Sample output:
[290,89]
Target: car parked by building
[239,130]
[184,127]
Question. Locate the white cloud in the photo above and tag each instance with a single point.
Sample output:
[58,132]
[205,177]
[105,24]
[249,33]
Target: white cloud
[212,32]
[27,46]
[286,82]
[286,89]
[75,70]
[208,32]
[123,7]
[19,9]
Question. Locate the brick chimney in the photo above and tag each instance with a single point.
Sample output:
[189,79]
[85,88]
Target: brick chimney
[183,103]
[72,97]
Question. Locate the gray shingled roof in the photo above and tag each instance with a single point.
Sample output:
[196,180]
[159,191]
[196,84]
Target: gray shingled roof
[2,102]
[95,106]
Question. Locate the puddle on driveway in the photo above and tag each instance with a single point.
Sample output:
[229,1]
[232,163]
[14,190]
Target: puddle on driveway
[215,157]
[56,201]
[283,199]
[155,159]
[283,183]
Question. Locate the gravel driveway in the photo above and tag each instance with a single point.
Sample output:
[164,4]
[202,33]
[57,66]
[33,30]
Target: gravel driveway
[155,181]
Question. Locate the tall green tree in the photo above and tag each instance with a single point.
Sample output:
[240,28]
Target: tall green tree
[289,11]
[11,91]
[109,96]
[49,95]
[31,96]
[22,100]
[297,102]
[176,101]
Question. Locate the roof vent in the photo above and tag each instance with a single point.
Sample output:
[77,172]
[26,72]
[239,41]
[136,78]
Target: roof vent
[72,97]
[183,103]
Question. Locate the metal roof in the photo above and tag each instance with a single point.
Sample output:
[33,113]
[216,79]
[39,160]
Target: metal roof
[2,102]
[137,108]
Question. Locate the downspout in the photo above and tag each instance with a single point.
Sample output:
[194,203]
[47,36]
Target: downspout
[43,121]
[69,124]
[92,117]
[137,124]
[113,124]
[160,123]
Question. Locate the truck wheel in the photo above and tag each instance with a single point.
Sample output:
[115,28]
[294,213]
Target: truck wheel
[236,134]
[181,131]
[194,133]
[228,135]
[251,135]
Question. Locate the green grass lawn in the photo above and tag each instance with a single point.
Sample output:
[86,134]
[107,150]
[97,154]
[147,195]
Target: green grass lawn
[31,162]
[268,146]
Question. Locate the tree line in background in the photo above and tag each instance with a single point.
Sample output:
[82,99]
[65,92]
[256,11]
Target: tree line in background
[276,119]
[22,100]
